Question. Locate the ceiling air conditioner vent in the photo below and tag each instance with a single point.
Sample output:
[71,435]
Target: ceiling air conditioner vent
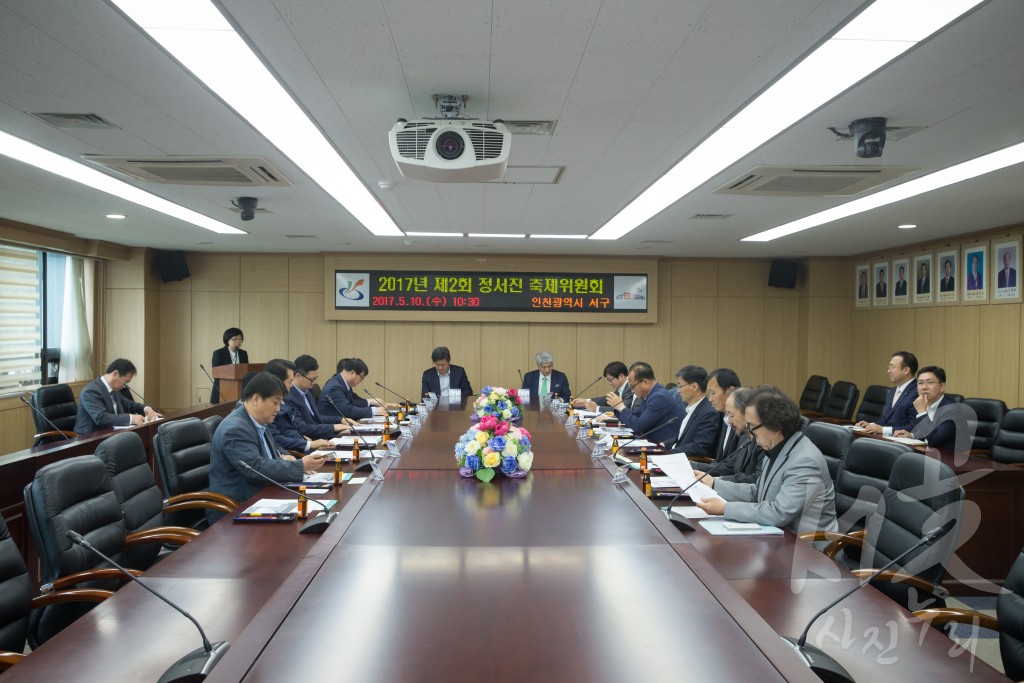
[812,181]
[191,170]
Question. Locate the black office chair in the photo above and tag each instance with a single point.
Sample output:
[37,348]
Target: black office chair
[841,401]
[212,423]
[922,494]
[988,415]
[17,603]
[862,481]
[181,449]
[141,500]
[833,441]
[955,398]
[873,405]
[57,403]
[1008,446]
[76,494]
[1009,620]
[812,398]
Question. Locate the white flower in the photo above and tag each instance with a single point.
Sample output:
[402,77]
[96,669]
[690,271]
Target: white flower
[473,447]
[510,448]
[506,414]
[526,460]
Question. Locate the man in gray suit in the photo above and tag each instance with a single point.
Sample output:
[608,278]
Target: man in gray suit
[103,406]
[616,373]
[794,489]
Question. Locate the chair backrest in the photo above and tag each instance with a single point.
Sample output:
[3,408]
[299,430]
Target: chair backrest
[15,593]
[923,493]
[988,415]
[955,398]
[57,403]
[873,405]
[124,456]
[1010,612]
[1008,445]
[863,478]
[833,441]
[212,423]
[814,394]
[842,400]
[182,452]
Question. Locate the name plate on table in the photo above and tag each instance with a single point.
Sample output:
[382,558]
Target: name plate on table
[455,394]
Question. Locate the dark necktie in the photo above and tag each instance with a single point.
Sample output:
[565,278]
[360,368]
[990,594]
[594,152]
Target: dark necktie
[113,401]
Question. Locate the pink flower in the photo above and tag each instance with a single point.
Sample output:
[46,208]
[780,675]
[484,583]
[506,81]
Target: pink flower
[513,392]
[488,422]
[501,429]
[526,433]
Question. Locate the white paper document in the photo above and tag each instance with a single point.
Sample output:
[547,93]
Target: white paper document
[663,483]
[693,512]
[904,440]
[678,467]
[722,527]
[349,440]
[280,506]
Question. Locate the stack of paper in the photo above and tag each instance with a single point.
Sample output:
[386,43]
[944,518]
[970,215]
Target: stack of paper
[678,467]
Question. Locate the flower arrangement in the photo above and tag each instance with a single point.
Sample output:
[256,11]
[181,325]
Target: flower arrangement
[494,443]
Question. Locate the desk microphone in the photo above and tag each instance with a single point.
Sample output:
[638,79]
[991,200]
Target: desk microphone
[521,382]
[649,431]
[369,449]
[201,367]
[584,390]
[143,399]
[825,666]
[677,519]
[412,403]
[196,665]
[42,415]
[313,525]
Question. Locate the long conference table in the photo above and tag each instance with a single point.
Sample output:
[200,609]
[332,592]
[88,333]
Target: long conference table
[561,576]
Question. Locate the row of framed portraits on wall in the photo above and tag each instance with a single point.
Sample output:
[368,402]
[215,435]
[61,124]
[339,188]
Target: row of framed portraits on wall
[971,275]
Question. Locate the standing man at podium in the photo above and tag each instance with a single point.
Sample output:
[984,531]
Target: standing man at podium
[444,376]
[231,353]
[545,379]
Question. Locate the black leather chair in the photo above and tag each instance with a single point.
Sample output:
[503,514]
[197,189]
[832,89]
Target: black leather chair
[17,603]
[1008,445]
[76,494]
[141,500]
[922,494]
[57,403]
[862,480]
[212,423]
[988,415]
[841,401]
[955,398]
[812,398]
[873,405]
[833,441]
[1009,620]
[182,452]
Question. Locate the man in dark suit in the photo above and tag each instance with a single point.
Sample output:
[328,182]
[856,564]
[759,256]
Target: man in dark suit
[656,407]
[862,287]
[881,289]
[231,353]
[302,403]
[939,421]
[103,406]
[243,435]
[900,288]
[286,428]
[743,463]
[976,277]
[924,283]
[697,436]
[444,376]
[545,379]
[1008,275]
[721,383]
[899,412]
[339,399]
[948,281]
[617,375]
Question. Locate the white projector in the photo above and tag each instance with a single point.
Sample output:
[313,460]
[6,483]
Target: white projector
[450,150]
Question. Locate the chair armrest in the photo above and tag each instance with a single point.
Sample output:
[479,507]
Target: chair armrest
[87,575]
[980,451]
[949,615]
[196,505]
[909,579]
[9,659]
[72,595]
[57,432]
[203,495]
[160,534]
[700,458]
[837,541]
[296,454]
[810,413]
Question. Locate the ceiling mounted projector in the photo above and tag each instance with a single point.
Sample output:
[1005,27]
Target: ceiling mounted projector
[450,150]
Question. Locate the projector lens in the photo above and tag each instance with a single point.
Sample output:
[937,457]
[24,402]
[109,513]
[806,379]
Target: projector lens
[449,145]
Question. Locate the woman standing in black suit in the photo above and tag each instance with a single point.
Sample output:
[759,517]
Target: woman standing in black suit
[229,354]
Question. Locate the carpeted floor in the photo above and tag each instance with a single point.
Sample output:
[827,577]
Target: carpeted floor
[983,643]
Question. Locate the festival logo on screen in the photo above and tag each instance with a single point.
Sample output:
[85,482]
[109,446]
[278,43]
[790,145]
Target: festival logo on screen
[352,290]
[630,292]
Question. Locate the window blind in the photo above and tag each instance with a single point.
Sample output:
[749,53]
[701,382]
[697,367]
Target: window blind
[20,324]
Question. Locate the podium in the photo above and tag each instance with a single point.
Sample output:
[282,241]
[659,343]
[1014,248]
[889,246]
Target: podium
[230,378]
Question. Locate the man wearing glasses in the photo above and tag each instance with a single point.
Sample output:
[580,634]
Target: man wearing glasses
[302,402]
[656,408]
[899,412]
[103,406]
[617,375]
[941,423]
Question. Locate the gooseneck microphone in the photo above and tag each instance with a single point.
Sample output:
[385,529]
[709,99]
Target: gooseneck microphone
[649,431]
[584,390]
[520,376]
[824,665]
[43,415]
[196,665]
[313,525]
[678,520]
[203,368]
[412,403]
[143,399]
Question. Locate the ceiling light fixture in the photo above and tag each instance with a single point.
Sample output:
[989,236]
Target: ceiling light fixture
[116,216]
[502,235]
[435,234]
[907,226]
[34,155]
[933,181]
[875,37]
[196,34]
[558,237]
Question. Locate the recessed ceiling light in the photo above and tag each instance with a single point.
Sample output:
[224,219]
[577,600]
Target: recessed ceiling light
[906,226]
[196,34]
[434,234]
[558,237]
[502,235]
[116,216]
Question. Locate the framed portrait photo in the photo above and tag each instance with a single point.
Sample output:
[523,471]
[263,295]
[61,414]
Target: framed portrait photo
[945,278]
[902,282]
[881,282]
[1005,263]
[861,288]
[974,282]
[923,280]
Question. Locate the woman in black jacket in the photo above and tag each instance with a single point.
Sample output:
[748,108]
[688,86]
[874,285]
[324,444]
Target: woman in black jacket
[229,354]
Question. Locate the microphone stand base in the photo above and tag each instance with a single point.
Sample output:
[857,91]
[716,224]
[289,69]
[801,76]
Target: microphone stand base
[318,524]
[679,521]
[196,665]
[821,664]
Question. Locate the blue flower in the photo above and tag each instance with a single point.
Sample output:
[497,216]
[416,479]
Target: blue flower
[515,411]
[502,405]
[524,445]
[488,409]
[473,462]
[487,390]
[509,464]
[497,444]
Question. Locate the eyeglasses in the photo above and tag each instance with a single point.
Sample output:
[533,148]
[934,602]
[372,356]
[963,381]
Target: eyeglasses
[927,382]
[305,376]
[237,339]
[753,428]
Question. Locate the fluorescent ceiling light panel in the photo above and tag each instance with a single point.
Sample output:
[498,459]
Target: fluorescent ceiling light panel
[878,35]
[558,237]
[34,155]
[502,235]
[435,234]
[196,34]
[995,161]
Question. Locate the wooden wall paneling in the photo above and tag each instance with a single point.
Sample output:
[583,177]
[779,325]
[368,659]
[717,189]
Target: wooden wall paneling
[664,278]
[306,274]
[18,426]
[829,344]
[741,320]
[744,279]
[264,273]
[464,345]
[962,362]
[125,327]
[177,381]
[361,340]
[828,277]
[309,333]
[407,347]
[264,318]
[215,272]
[999,352]
[861,335]
[651,343]
[694,278]
[504,351]
[149,361]
[559,340]
[596,346]
[694,338]
[931,338]
[212,313]
[781,333]
[128,274]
